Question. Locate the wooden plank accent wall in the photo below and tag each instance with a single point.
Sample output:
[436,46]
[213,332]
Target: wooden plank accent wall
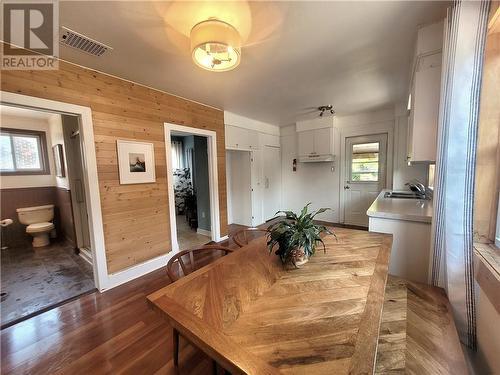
[135,217]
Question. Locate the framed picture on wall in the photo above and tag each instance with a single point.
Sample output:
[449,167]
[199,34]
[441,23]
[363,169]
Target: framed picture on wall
[59,160]
[136,162]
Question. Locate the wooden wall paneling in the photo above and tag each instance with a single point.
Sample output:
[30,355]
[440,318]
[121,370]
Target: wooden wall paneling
[135,217]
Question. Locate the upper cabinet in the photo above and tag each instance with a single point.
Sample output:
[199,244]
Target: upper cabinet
[425,94]
[241,139]
[270,140]
[316,144]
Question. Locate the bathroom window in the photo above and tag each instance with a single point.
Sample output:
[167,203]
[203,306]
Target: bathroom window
[23,152]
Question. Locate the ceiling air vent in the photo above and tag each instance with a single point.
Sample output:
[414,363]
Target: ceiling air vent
[83,43]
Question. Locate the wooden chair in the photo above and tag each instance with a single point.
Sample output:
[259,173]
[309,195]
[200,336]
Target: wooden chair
[244,236]
[182,264]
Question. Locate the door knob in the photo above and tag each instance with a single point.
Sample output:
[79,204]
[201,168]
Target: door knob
[347,187]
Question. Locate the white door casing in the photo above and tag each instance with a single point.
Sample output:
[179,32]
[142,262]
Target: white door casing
[359,194]
[212,177]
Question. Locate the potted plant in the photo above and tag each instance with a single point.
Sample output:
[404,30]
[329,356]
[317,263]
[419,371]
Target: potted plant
[182,188]
[296,236]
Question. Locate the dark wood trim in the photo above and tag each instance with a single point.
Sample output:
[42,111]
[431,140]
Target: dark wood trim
[44,156]
[487,273]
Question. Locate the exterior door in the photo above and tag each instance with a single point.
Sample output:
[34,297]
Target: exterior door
[272,181]
[365,175]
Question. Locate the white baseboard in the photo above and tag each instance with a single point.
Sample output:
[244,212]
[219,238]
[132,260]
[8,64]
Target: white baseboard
[129,274]
[86,255]
[204,232]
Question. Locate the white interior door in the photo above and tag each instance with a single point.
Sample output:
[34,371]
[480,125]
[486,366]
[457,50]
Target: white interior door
[239,187]
[272,181]
[365,175]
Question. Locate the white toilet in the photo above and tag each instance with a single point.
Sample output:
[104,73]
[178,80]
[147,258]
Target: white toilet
[39,223]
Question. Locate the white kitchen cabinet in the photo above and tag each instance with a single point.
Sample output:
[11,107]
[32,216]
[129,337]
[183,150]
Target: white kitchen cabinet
[424,115]
[270,140]
[411,242]
[316,145]
[425,95]
[306,143]
[323,141]
[241,139]
[409,221]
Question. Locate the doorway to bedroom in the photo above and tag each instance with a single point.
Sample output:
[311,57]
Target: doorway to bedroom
[190,175]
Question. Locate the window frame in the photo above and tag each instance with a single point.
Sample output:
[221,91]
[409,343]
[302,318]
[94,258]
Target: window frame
[350,171]
[44,156]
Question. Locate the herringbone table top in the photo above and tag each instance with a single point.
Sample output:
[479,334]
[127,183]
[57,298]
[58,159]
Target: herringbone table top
[255,317]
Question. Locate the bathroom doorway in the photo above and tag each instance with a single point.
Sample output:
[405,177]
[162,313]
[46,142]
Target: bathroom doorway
[46,257]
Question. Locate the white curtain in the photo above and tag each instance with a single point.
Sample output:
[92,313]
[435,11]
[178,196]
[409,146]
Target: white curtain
[452,268]
[177,160]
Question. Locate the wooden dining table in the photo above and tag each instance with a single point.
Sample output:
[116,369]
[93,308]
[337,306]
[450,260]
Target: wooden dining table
[254,316]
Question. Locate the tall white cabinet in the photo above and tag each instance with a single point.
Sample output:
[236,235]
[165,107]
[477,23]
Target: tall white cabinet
[425,94]
[261,178]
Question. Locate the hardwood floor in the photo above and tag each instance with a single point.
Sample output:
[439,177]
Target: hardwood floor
[391,350]
[417,334]
[115,332]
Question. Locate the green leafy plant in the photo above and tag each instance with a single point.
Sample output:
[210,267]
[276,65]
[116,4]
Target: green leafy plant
[296,235]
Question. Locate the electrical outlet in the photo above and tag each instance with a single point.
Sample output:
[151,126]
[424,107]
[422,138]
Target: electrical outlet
[203,214]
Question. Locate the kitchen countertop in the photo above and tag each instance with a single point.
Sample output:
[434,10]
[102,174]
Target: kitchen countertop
[402,209]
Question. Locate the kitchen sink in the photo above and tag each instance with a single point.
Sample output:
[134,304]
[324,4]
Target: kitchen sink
[402,195]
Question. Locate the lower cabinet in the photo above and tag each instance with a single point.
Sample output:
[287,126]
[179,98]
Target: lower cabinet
[411,246]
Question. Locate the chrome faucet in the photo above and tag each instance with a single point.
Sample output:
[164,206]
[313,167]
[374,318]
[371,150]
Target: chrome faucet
[418,188]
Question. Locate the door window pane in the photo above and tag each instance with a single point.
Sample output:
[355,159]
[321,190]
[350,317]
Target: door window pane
[365,162]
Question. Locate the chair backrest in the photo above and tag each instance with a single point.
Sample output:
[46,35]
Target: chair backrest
[244,236]
[187,261]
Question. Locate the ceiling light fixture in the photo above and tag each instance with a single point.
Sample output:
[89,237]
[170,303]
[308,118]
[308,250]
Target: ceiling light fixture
[215,45]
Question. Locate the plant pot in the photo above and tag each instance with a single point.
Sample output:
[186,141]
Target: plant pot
[298,258]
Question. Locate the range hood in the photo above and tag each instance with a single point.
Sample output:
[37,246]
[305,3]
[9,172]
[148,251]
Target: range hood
[316,158]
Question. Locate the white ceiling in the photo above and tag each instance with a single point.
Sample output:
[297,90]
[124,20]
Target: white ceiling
[296,55]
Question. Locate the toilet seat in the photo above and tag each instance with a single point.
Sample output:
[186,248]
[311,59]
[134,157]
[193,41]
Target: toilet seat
[40,227]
